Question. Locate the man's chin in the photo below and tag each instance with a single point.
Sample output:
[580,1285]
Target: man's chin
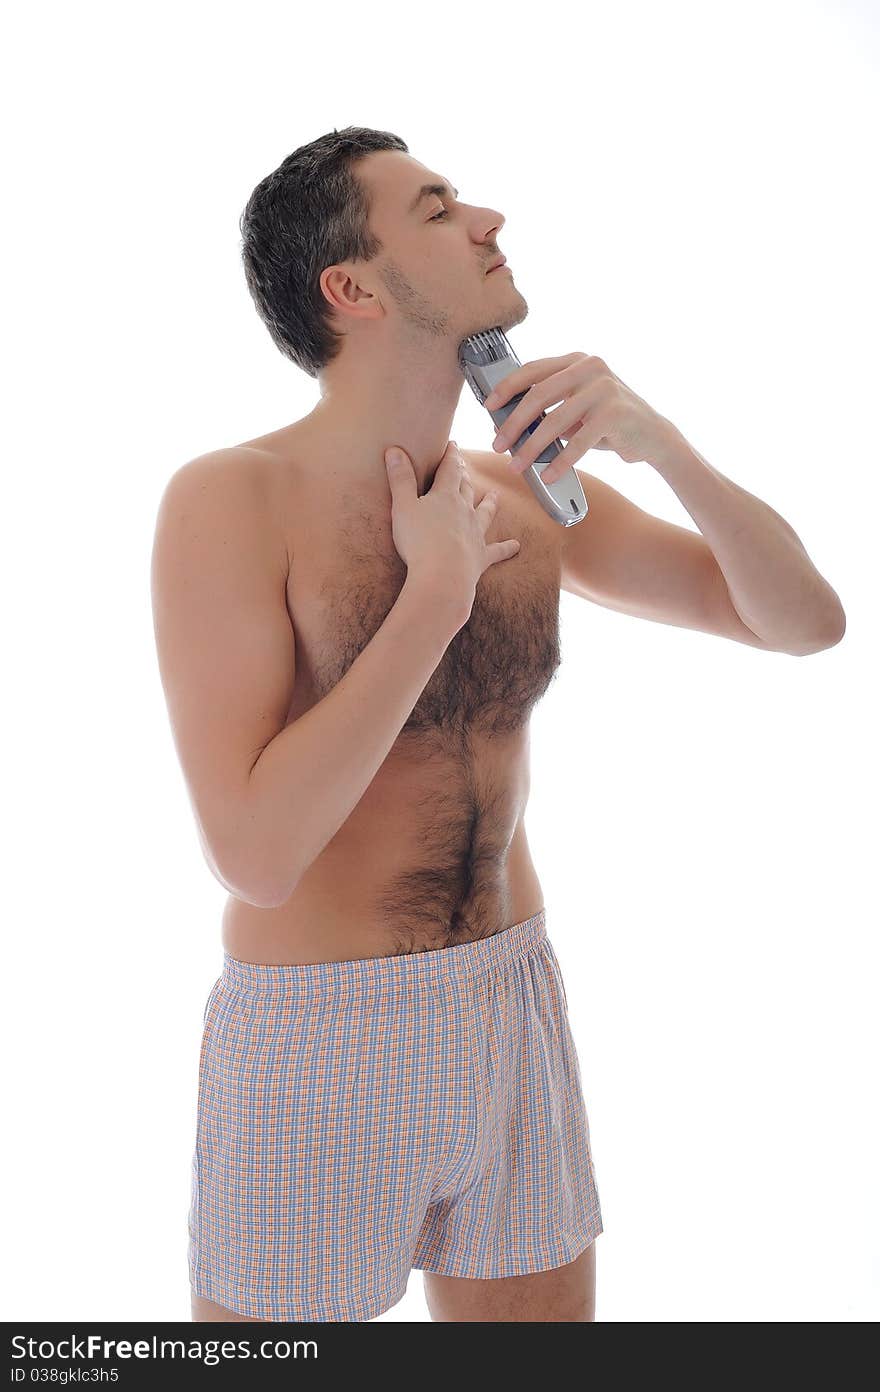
[506,316]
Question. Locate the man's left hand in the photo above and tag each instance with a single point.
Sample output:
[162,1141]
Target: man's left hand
[598,411]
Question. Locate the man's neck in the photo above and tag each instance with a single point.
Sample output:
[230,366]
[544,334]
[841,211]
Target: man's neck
[356,421]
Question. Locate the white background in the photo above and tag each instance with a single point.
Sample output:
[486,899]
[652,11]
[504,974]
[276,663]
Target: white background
[690,193]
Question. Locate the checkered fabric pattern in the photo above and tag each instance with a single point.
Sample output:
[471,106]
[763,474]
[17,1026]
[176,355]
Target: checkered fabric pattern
[358,1119]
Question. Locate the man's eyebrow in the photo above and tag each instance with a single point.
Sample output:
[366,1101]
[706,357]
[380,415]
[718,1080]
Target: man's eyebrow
[441,190]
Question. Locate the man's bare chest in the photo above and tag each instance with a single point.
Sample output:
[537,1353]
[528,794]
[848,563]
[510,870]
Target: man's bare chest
[345,575]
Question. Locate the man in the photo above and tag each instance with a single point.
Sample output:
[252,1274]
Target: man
[351,649]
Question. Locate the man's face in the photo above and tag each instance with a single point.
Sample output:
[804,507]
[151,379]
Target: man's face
[437,252]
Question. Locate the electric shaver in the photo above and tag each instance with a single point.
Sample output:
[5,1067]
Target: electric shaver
[485,359]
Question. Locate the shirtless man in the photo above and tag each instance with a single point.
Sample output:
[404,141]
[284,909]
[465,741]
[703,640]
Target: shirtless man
[350,654]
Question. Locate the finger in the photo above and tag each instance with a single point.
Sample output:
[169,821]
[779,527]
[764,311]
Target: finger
[401,475]
[582,440]
[502,550]
[450,466]
[526,415]
[467,488]
[487,507]
[525,376]
[559,422]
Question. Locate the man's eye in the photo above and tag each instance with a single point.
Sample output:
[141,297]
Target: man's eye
[438,216]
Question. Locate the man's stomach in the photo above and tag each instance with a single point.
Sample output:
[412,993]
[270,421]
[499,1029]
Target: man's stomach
[435,854]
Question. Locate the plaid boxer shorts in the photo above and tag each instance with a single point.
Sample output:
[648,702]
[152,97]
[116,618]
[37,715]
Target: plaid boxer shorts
[361,1118]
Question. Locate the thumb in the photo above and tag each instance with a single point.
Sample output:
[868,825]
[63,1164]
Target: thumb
[400,470]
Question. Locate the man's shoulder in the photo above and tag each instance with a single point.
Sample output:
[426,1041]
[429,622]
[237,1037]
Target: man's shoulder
[241,468]
[221,487]
[486,464]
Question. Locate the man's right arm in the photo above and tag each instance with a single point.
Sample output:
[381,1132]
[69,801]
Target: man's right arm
[268,797]
[311,776]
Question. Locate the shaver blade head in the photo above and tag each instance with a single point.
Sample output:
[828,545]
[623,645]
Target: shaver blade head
[485,346]
[484,358]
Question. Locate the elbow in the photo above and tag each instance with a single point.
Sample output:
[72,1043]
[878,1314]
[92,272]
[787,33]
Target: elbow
[836,625]
[250,882]
[270,896]
[829,637]
[837,635]
[259,891]
[257,895]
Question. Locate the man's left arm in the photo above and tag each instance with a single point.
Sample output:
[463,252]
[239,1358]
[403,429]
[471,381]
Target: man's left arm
[774,586]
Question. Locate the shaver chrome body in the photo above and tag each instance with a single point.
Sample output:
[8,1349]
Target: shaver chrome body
[486,358]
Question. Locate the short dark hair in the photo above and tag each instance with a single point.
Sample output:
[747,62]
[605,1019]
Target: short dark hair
[309,213]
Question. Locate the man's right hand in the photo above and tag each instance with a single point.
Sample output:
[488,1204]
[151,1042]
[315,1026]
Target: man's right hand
[441,536]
